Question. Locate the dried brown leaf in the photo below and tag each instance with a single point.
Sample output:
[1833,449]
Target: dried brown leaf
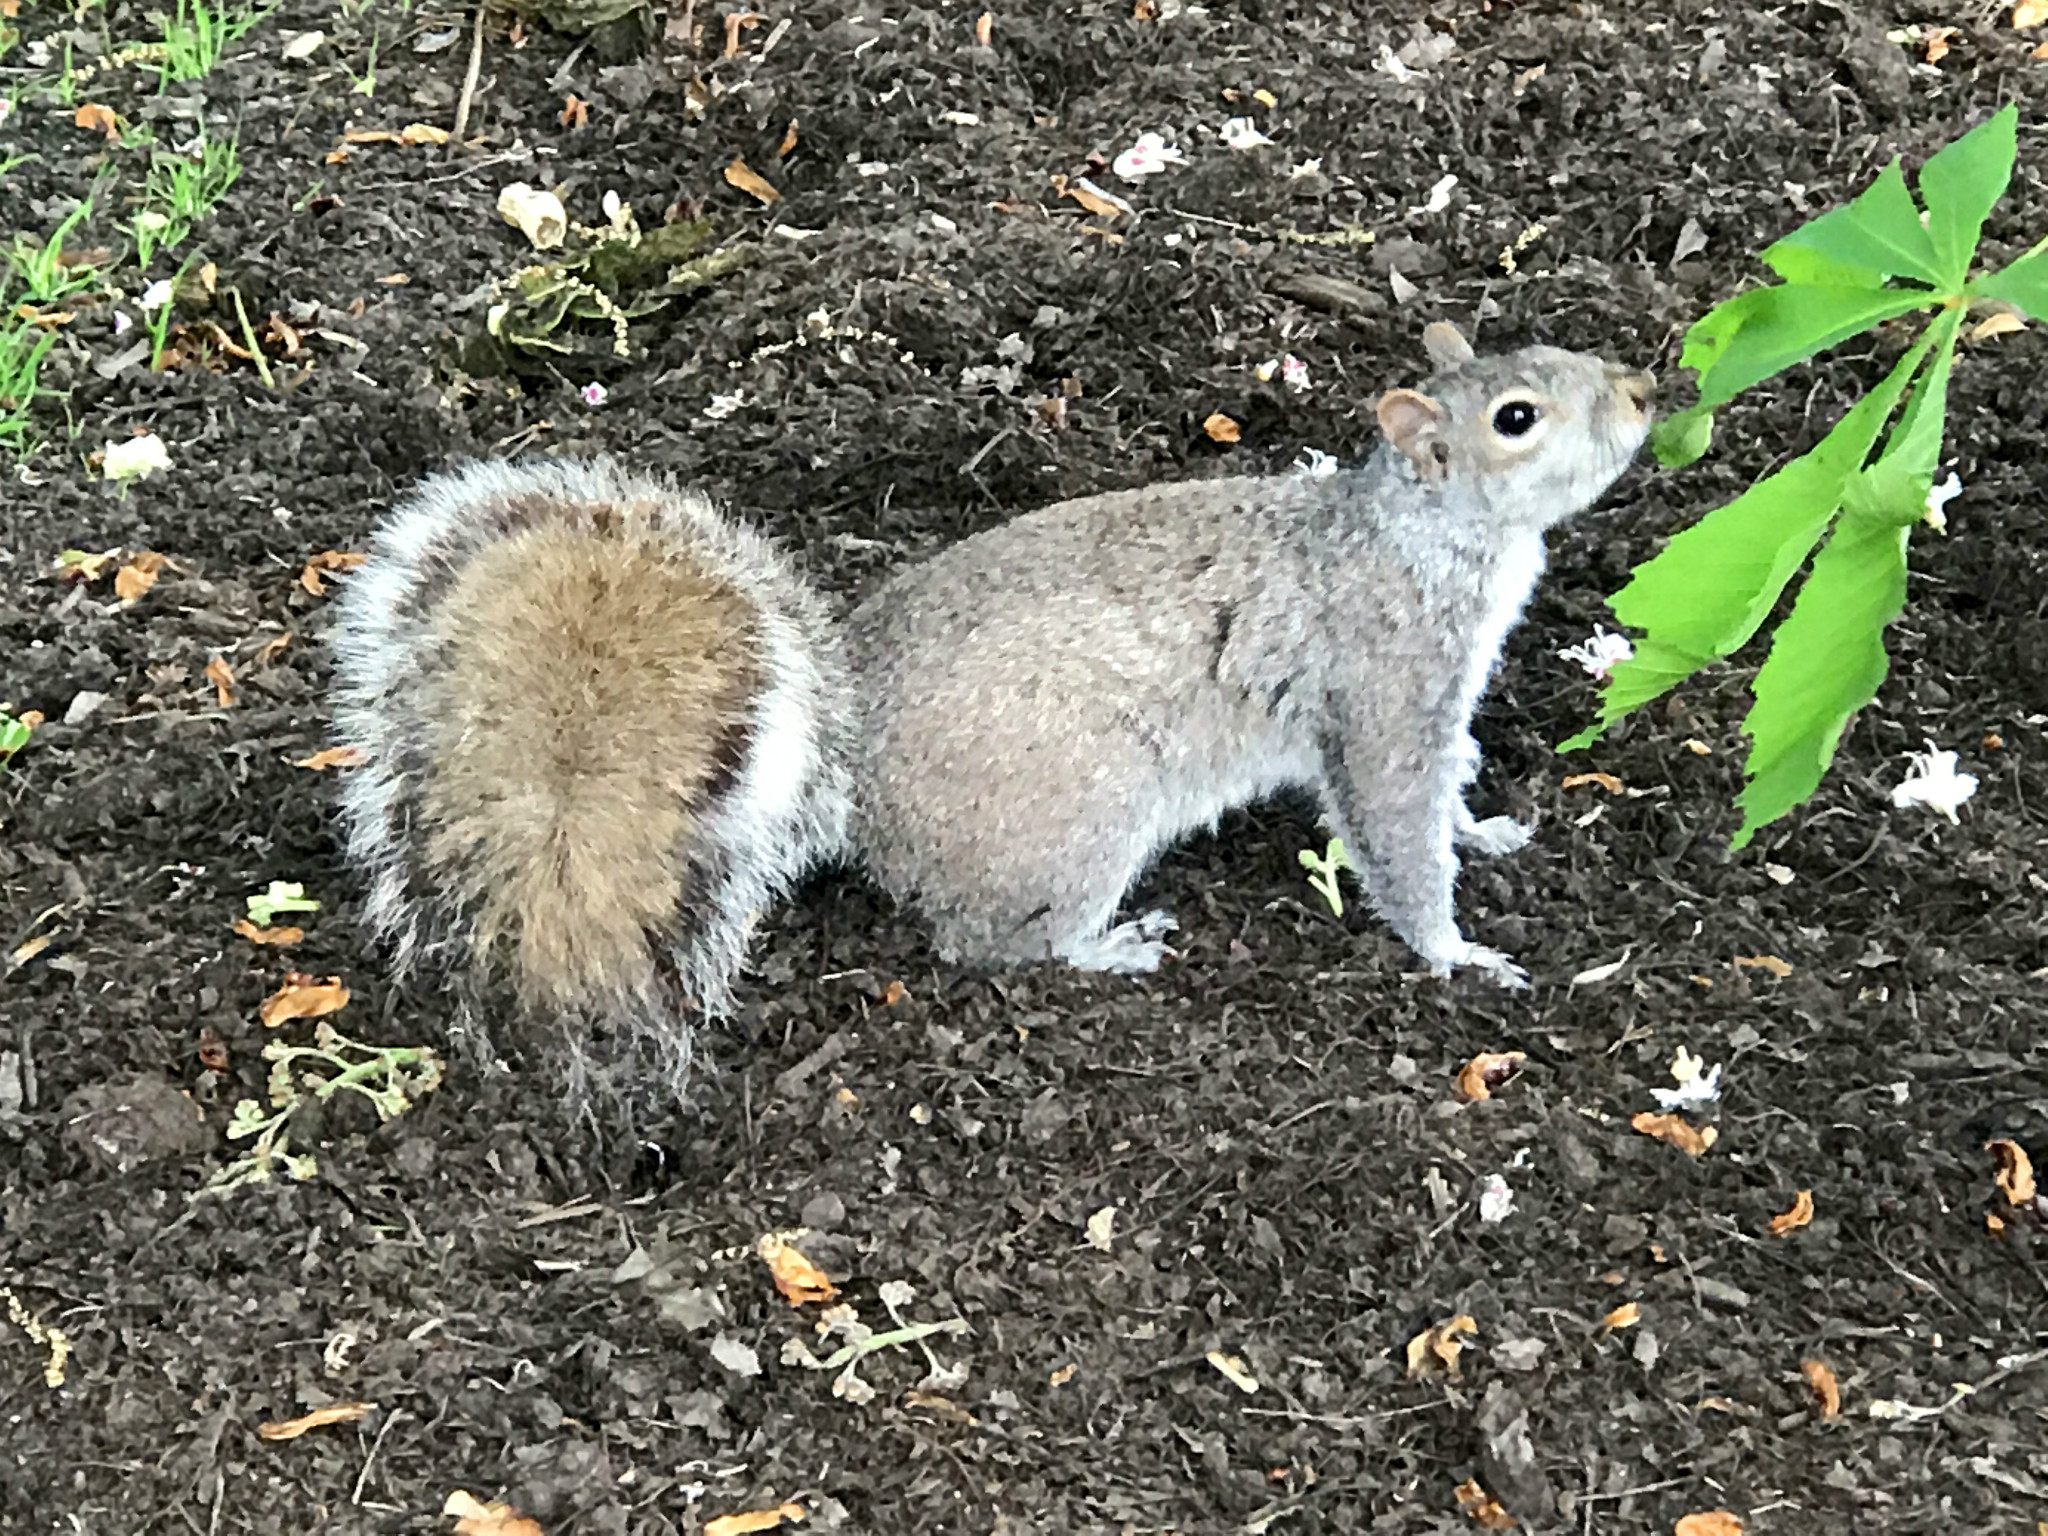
[333,1413]
[1482,1507]
[1798,1216]
[2015,1174]
[2029,13]
[750,181]
[275,936]
[1778,968]
[1221,428]
[799,1280]
[2002,323]
[1676,1131]
[302,997]
[99,119]
[1827,1393]
[473,1517]
[984,28]
[1437,1348]
[1627,1315]
[137,576]
[1485,1072]
[333,757]
[328,560]
[1714,1522]
[755,1520]
[222,676]
[1606,781]
[788,141]
[575,113]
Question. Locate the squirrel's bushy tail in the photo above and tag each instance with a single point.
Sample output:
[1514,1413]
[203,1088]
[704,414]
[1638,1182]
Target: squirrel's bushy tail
[604,727]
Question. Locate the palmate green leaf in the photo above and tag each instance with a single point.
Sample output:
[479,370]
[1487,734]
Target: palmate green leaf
[1959,183]
[2023,282]
[1827,661]
[1715,583]
[1782,325]
[1877,235]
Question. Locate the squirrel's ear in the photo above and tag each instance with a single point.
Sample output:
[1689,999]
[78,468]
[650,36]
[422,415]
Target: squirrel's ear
[1445,346]
[1413,423]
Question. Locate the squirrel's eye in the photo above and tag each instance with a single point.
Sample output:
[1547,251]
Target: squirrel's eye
[1515,418]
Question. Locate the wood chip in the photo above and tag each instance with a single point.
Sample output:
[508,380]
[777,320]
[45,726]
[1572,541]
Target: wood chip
[1778,968]
[1789,1221]
[302,997]
[755,1520]
[1827,1393]
[1606,781]
[750,181]
[333,1413]
[1221,428]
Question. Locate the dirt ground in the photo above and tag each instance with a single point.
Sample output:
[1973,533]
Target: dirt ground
[1295,1186]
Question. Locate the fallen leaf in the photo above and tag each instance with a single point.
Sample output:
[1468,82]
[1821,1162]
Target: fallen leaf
[1696,747]
[1221,428]
[1090,197]
[83,565]
[302,997]
[788,141]
[2015,1173]
[1606,781]
[1062,1376]
[328,560]
[1437,1348]
[1485,1072]
[99,119]
[2030,13]
[894,993]
[1482,1507]
[277,936]
[137,576]
[1144,10]
[755,1520]
[798,1279]
[473,1517]
[1827,1394]
[2038,51]
[333,1413]
[394,279]
[1992,741]
[1937,43]
[575,112]
[1714,1522]
[737,22]
[1993,1224]
[750,181]
[272,648]
[1627,1315]
[333,757]
[984,28]
[1675,1130]
[1798,1216]
[1234,1371]
[2000,324]
[422,133]
[1771,963]
[222,676]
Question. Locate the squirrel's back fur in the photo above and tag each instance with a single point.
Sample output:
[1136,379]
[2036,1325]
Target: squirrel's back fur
[604,727]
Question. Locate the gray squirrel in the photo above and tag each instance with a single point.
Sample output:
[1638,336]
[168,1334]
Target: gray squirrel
[604,725]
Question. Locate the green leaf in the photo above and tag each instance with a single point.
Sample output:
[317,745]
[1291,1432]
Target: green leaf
[1877,234]
[1959,183]
[1715,583]
[1682,437]
[2023,282]
[1787,324]
[1827,661]
[1799,264]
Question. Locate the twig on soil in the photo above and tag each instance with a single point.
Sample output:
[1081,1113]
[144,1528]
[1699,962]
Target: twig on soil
[376,1445]
[476,65]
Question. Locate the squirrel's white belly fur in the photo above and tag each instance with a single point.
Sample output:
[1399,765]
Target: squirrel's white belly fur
[605,725]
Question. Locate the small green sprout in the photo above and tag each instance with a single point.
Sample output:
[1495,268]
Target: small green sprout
[392,1078]
[1322,872]
[14,732]
[283,896]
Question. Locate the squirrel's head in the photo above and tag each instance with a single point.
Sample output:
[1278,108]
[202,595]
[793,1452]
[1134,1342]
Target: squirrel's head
[1530,436]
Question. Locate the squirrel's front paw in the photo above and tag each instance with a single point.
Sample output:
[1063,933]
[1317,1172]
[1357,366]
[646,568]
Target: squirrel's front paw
[1495,836]
[1491,963]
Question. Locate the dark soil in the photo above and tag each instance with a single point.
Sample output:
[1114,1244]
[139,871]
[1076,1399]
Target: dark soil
[1271,1118]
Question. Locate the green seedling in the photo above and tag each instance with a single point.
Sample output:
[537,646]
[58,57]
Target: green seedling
[1322,872]
[614,274]
[195,36]
[391,1078]
[283,896]
[365,84]
[179,192]
[23,346]
[862,1341]
[1853,497]
[14,732]
[38,269]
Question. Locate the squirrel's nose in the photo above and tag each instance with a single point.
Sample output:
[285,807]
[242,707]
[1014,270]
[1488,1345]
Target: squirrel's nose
[1637,387]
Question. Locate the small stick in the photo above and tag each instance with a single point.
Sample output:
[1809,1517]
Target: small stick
[476,65]
[249,336]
